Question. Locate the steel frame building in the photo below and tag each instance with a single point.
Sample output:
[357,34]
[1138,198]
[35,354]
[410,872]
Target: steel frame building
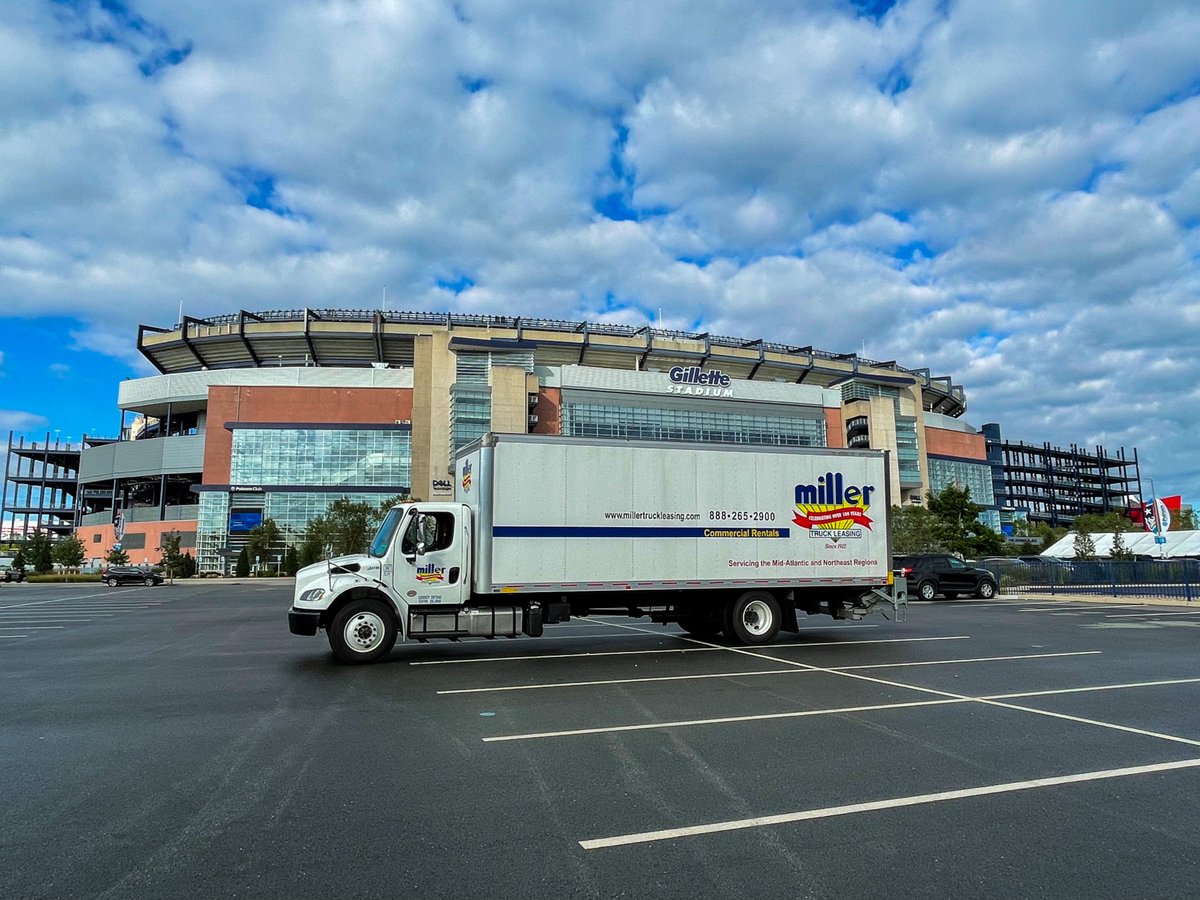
[1057,484]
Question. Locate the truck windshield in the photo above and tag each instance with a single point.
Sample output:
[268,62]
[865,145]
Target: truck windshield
[383,538]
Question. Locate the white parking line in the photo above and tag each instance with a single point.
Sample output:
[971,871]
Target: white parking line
[789,671]
[48,617]
[617,622]
[33,627]
[892,803]
[808,713]
[846,673]
[1072,608]
[67,599]
[662,650]
[1195,612]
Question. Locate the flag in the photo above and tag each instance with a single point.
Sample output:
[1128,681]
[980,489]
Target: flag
[1155,515]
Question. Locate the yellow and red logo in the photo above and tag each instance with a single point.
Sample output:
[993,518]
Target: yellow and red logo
[831,505]
[430,574]
[466,476]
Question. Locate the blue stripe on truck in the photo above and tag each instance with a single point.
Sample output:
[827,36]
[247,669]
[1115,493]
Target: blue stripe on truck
[622,531]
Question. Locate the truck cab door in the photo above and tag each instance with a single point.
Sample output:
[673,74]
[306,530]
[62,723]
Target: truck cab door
[431,563]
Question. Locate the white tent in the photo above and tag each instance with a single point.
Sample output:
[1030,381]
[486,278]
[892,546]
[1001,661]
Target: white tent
[1179,543]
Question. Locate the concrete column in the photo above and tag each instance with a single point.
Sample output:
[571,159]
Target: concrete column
[433,375]
[510,400]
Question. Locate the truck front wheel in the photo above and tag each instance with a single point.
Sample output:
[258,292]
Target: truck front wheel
[362,632]
[753,618]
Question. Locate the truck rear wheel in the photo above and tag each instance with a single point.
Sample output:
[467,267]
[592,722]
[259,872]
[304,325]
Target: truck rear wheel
[362,632]
[753,618]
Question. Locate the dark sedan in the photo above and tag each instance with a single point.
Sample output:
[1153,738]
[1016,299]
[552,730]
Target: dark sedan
[115,575]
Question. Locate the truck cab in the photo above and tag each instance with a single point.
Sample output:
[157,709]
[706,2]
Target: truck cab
[413,582]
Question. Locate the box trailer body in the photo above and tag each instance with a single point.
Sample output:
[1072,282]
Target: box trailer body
[718,537]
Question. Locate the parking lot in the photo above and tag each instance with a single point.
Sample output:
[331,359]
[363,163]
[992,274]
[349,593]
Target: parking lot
[178,741]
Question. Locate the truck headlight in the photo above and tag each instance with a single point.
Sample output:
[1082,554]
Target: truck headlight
[312,596]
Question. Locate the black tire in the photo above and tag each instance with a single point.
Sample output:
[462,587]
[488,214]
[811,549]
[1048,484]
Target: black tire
[150,582]
[753,618]
[986,590]
[927,590]
[111,582]
[363,631]
[703,627]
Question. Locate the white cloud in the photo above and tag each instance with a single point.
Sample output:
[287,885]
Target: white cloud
[1007,193]
[15,420]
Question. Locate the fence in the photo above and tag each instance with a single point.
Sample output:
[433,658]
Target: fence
[1177,579]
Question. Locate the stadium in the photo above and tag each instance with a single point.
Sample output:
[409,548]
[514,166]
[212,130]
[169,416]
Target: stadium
[276,414]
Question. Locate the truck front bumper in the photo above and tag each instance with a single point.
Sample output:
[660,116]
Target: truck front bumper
[304,621]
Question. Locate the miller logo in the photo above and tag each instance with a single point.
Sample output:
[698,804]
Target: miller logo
[831,506]
[430,574]
[466,476]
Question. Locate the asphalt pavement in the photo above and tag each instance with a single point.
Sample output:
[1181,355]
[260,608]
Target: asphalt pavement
[177,741]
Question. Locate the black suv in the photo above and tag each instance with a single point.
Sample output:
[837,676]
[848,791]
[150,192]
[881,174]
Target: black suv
[930,574]
[115,575]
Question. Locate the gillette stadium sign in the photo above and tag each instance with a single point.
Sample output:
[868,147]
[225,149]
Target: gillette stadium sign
[699,382]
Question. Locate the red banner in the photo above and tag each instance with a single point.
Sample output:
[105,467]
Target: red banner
[855,514]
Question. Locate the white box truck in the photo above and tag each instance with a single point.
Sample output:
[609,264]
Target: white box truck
[720,538]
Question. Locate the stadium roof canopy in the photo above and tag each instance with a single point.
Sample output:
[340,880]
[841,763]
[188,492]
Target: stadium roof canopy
[360,338]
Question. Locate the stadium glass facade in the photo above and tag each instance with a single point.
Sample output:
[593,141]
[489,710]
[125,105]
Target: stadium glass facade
[270,466]
[627,422]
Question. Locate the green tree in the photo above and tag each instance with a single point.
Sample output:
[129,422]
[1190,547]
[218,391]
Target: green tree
[117,557]
[242,567]
[172,559]
[1085,547]
[915,530]
[1095,523]
[187,566]
[1119,550]
[291,562]
[1048,534]
[350,526]
[261,541]
[40,552]
[382,510]
[19,562]
[1187,520]
[958,527]
[69,552]
[316,539]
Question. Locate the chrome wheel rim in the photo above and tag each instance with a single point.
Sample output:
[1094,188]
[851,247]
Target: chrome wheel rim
[756,617]
[364,632]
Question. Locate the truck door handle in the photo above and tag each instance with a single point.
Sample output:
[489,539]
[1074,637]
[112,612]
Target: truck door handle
[453,575]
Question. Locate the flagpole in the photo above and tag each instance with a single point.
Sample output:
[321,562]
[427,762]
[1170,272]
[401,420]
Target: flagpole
[1159,539]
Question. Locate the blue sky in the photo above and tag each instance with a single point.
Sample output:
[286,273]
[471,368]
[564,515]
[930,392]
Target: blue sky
[52,387]
[1004,191]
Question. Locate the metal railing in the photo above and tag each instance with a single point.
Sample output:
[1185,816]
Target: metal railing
[1177,579]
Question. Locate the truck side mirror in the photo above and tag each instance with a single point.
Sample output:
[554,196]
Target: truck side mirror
[420,548]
